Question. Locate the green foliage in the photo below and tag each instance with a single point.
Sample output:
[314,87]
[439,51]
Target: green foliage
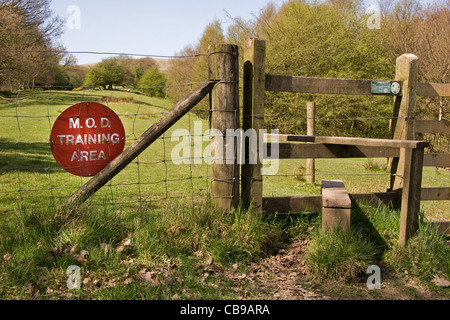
[192,69]
[152,83]
[324,40]
[106,74]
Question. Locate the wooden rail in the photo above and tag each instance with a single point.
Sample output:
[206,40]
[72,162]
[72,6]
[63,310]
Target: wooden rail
[432,126]
[300,204]
[316,85]
[433,89]
[411,154]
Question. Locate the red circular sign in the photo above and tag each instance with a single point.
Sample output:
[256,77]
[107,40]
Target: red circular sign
[86,137]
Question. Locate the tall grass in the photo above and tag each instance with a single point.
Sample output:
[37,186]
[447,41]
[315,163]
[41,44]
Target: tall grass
[227,238]
[373,239]
[130,254]
[425,256]
[339,255]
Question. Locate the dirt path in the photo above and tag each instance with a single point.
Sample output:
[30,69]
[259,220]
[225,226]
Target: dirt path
[283,276]
[278,277]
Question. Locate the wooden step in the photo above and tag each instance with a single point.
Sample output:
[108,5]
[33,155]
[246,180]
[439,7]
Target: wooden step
[336,206]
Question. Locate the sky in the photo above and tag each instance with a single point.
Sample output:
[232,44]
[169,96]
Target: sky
[161,27]
[150,27]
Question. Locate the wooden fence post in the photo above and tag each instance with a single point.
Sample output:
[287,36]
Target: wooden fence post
[411,191]
[224,66]
[404,111]
[311,131]
[253,118]
[407,169]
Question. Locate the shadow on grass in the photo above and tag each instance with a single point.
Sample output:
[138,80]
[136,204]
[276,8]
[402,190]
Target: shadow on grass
[360,220]
[31,157]
[67,98]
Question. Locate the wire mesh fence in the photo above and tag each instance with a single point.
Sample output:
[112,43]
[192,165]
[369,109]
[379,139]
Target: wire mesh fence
[30,176]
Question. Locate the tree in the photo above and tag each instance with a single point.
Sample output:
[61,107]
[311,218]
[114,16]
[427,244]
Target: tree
[423,30]
[194,67]
[179,73]
[138,67]
[108,73]
[153,83]
[37,14]
[325,39]
[28,30]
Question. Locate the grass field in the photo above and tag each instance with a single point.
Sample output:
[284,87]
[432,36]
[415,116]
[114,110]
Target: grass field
[129,250]
[27,163]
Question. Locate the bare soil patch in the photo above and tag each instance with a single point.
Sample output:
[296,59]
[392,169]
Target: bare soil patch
[285,276]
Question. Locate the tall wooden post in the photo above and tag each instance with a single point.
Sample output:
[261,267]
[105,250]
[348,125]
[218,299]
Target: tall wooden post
[310,131]
[411,190]
[253,118]
[407,169]
[224,66]
[404,111]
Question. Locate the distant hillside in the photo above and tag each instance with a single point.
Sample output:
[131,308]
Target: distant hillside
[163,64]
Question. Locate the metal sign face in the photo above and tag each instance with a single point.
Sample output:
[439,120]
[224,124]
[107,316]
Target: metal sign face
[86,137]
[385,87]
[381,87]
[395,88]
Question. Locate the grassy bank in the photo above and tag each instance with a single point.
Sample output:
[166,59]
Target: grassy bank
[189,251]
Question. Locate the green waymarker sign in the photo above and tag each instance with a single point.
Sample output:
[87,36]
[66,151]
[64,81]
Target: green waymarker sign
[385,87]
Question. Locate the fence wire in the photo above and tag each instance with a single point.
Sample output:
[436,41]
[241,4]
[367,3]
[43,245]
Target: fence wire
[30,176]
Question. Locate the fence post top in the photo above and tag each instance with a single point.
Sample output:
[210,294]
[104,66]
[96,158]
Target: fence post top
[408,56]
[255,39]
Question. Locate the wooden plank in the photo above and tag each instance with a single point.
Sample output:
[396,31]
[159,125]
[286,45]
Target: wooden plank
[336,206]
[443,227]
[224,65]
[436,160]
[300,204]
[432,126]
[181,108]
[372,142]
[253,118]
[293,204]
[435,193]
[280,83]
[289,137]
[321,151]
[433,89]
[334,195]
